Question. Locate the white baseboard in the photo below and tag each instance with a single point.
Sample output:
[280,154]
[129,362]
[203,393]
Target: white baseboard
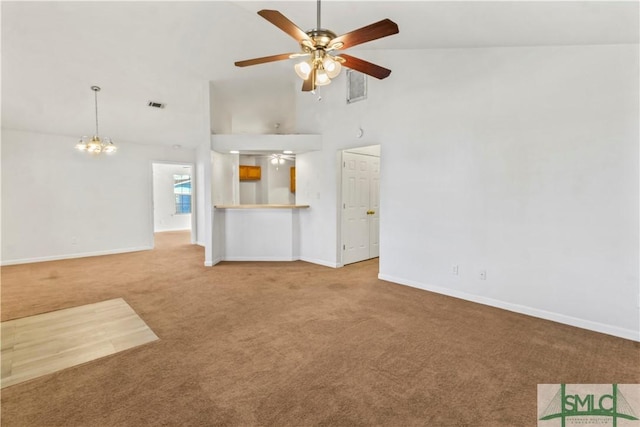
[517,308]
[76,255]
[320,262]
[260,258]
[278,259]
[200,243]
[212,263]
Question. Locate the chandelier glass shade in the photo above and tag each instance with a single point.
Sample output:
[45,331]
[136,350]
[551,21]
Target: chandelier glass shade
[303,69]
[95,144]
[331,66]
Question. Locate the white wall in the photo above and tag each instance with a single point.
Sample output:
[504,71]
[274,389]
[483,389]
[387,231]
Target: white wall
[226,182]
[224,191]
[235,108]
[317,228]
[261,234]
[274,143]
[164,201]
[263,186]
[369,150]
[248,189]
[204,202]
[59,203]
[519,161]
[279,180]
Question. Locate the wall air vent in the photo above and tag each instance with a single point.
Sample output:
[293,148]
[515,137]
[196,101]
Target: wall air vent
[155,104]
[356,86]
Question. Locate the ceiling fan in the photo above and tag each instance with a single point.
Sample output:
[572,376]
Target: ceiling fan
[280,159]
[277,159]
[319,47]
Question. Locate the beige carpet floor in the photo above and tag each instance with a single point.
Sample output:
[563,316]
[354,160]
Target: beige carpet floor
[294,344]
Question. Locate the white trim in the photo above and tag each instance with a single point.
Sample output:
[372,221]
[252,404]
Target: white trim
[279,259]
[77,255]
[259,258]
[517,308]
[320,262]
[200,244]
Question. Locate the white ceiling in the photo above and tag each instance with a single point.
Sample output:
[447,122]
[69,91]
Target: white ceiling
[52,52]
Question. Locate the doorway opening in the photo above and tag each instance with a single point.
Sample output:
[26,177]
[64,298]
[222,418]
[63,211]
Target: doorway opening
[173,194]
[360,223]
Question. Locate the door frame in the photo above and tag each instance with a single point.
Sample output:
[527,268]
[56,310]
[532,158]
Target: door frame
[194,231]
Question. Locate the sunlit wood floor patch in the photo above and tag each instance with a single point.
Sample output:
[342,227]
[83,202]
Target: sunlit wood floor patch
[38,345]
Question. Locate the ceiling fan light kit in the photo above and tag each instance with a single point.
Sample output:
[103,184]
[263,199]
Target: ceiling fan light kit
[279,159]
[319,47]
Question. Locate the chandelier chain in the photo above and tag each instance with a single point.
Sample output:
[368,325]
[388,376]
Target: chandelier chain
[95,92]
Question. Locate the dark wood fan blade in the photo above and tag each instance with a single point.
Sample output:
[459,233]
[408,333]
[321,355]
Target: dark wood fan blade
[282,22]
[365,67]
[375,31]
[256,61]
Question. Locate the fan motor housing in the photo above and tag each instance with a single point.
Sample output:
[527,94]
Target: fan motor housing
[321,37]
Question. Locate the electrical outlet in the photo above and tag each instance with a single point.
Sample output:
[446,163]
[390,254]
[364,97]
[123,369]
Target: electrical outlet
[483,274]
[454,269]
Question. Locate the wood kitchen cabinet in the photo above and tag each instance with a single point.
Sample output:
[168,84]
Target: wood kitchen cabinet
[250,173]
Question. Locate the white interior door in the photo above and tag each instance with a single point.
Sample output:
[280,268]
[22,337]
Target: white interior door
[360,207]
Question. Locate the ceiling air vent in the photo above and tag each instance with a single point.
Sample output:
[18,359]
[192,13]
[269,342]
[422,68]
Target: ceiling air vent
[155,104]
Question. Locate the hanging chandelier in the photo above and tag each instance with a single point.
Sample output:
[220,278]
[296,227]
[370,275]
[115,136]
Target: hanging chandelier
[95,144]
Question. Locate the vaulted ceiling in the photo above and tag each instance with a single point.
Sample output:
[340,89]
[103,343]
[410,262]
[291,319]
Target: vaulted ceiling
[52,52]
